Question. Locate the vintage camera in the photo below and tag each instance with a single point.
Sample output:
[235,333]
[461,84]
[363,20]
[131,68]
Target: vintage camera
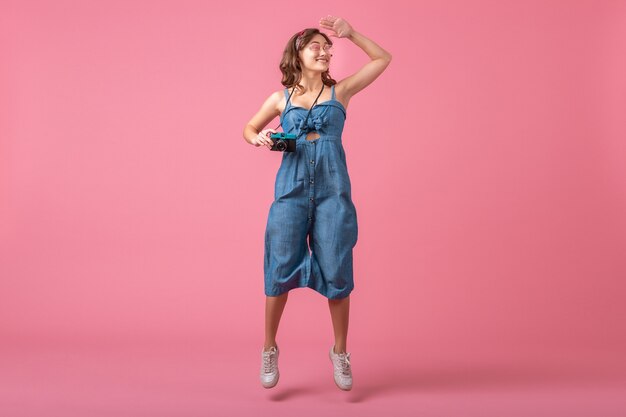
[283,142]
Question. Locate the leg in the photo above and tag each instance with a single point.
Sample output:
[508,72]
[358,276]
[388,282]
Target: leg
[274,307]
[339,312]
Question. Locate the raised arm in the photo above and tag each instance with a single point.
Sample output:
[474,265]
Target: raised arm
[380,58]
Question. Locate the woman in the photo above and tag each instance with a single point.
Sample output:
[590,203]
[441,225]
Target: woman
[312,190]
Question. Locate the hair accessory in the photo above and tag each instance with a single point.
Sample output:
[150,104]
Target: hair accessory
[299,38]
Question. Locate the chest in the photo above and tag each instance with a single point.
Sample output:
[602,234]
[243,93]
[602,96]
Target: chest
[306,101]
[328,116]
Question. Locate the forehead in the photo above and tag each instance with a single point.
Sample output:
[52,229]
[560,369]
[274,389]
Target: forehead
[318,38]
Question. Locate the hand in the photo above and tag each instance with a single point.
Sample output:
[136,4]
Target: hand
[263,138]
[338,25]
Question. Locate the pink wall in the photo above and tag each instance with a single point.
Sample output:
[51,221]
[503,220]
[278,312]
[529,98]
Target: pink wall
[488,166]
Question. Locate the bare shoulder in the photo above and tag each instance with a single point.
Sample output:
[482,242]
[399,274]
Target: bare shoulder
[270,108]
[276,101]
[278,97]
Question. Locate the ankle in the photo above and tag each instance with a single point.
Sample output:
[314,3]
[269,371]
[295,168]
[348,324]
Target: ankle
[267,346]
[339,349]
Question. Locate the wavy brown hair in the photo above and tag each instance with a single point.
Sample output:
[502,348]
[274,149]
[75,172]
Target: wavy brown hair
[290,64]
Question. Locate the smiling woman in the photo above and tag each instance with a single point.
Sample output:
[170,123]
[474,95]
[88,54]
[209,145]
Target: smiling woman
[312,223]
[304,50]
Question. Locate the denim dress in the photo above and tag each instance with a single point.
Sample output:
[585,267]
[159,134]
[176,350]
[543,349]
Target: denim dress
[312,223]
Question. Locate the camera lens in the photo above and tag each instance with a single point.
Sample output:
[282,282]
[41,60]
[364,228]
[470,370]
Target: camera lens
[281,145]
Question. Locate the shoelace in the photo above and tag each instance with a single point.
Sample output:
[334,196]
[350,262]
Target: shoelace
[269,358]
[344,363]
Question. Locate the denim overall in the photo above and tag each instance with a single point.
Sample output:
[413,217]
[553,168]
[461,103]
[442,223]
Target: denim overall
[312,199]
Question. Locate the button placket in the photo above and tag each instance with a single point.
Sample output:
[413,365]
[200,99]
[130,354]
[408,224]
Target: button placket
[311,181]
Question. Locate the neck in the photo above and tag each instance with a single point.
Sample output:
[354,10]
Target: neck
[311,81]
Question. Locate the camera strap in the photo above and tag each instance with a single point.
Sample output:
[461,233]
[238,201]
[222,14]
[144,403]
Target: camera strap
[308,113]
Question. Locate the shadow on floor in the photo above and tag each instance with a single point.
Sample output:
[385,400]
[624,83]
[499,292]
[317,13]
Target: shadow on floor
[474,377]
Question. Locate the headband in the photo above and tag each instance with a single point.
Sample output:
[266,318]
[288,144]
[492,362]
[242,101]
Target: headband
[299,38]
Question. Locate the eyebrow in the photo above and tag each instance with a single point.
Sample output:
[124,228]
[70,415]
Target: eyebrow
[326,43]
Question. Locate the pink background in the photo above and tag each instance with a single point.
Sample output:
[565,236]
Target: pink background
[488,166]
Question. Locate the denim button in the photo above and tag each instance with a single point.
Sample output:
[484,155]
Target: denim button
[312,161]
[311,181]
[311,198]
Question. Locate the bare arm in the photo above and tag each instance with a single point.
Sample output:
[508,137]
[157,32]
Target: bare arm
[380,58]
[253,133]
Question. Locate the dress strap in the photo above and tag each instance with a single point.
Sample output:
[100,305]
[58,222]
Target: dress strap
[332,90]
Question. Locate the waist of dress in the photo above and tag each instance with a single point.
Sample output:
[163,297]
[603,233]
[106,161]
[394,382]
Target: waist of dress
[322,138]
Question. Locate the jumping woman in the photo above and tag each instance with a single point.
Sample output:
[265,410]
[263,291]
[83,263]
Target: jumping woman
[312,224]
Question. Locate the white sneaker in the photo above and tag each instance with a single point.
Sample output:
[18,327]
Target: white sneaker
[269,367]
[341,369]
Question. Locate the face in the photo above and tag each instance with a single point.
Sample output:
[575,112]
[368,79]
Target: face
[316,54]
